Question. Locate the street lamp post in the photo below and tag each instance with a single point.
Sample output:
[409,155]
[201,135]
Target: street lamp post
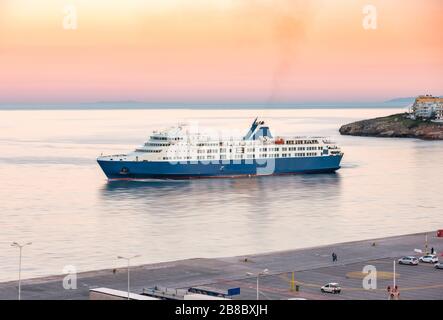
[258,274]
[395,276]
[129,265]
[20,247]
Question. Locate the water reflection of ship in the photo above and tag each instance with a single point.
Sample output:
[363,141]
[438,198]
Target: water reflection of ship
[262,191]
[143,189]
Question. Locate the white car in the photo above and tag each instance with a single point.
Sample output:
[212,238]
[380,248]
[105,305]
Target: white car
[408,260]
[429,258]
[439,265]
[331,288]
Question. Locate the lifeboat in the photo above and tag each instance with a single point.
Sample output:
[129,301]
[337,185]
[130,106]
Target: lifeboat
[279,141]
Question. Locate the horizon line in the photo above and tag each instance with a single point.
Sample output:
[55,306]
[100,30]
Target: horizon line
[230,102]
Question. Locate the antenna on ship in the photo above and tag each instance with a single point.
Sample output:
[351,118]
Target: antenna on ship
[251,130]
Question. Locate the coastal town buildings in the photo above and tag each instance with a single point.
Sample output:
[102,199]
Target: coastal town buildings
[428,106]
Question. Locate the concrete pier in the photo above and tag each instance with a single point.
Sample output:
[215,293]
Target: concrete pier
[312,268]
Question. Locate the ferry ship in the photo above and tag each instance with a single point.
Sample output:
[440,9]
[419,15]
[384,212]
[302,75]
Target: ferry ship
[178,153]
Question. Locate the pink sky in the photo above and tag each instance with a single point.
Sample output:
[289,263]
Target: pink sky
[219,50]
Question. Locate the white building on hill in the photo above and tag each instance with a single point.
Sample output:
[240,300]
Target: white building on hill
[428,106]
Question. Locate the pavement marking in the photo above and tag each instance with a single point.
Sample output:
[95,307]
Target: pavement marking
[436,286]
[285,277]
[381,275]
[282,292]
[406,265]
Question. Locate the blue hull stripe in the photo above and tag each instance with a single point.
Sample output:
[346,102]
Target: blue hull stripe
[167,170]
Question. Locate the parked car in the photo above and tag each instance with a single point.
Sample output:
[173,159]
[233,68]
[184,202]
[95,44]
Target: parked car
[439,265]
[408,260]
[331,288]
[429,258]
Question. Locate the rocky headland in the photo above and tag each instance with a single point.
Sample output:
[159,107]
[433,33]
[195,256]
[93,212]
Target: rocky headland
[395,126]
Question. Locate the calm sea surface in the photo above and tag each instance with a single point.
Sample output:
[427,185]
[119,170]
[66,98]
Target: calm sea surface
[53,193]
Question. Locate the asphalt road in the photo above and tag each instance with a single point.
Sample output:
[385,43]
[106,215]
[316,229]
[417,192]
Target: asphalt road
[312,268]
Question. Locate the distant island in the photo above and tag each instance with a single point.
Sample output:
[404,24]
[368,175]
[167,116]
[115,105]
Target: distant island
[222,105]
[425,121]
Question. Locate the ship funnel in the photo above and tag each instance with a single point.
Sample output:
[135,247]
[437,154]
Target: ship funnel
[258,129]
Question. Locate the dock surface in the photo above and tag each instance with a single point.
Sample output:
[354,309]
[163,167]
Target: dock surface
[311,267]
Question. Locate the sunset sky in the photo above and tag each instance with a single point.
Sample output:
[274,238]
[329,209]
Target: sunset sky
[219,50]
